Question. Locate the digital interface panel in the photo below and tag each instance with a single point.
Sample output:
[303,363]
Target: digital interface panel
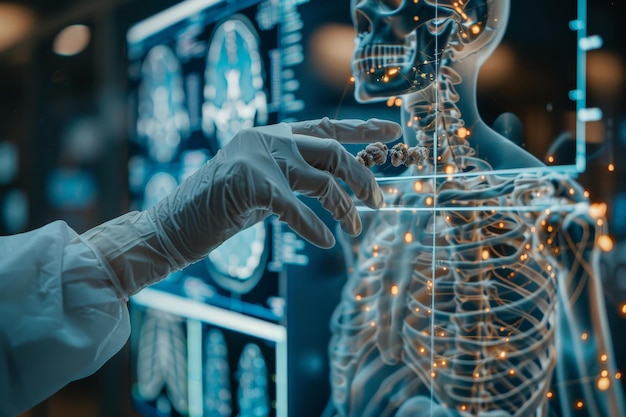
[199,73]
[210,339]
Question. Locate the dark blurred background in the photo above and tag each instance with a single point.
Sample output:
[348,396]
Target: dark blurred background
[64,125]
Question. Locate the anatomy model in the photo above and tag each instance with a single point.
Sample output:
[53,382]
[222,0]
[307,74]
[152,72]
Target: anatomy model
[475,292]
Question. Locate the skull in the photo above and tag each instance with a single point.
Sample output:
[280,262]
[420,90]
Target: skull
[400,44]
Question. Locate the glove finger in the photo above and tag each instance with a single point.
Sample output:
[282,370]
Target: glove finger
[349,130]
[302,220]
[331,156]
[323,186]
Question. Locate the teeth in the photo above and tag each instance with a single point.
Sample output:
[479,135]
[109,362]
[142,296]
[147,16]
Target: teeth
[381,56]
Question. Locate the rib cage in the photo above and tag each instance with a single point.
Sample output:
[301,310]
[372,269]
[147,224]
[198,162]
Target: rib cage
[487,345]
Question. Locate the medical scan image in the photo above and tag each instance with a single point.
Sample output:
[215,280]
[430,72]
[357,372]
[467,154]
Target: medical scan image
[475,290]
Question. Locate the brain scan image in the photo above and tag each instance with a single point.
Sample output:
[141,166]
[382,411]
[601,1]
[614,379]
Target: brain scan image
[475,290]
[162,119]
[157,188]
[233,92]
[235,100]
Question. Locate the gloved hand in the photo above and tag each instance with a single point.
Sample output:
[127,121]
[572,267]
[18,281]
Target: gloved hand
[253,176]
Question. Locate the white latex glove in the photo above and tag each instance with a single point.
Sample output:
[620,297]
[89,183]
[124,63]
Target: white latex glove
[253,176]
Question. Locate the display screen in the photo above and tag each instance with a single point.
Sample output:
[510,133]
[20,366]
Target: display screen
[199,72]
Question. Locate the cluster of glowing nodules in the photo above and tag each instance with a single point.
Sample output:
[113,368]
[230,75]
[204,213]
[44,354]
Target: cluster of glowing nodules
[401,154]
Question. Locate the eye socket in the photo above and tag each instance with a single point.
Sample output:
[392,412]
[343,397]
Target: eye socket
[392,4]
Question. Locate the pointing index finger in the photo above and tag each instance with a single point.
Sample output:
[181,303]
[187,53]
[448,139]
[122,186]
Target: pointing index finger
[349,130]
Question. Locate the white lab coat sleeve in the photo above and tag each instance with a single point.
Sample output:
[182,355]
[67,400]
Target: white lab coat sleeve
[62,314]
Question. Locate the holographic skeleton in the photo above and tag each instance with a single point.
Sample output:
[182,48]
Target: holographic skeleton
[484,299]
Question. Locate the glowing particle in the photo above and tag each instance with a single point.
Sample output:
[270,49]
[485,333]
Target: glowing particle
[392,71]
[463,407]
[618,375]
[623,309]
[511,372]
[551,159]
[422,350]
[397,102]
[485,254]
[603,357]
[462,133]
[372,268]
[417,186]
[502,355]
[549,394]
[604,373]
[605,243]
[584,336]
[449,169]
[603,383]
[358,297]
[433,374]
[352,79]
[390,101]
[408,237]
[611,167]
[571,191]
[416,18]
[394,290]
[367,308]
[417,309]
[580,404]
[475,29]
[586,194]
[598,210]
[429,201]
[372,323]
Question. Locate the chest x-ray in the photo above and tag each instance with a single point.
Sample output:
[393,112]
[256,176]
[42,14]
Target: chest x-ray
[474,292]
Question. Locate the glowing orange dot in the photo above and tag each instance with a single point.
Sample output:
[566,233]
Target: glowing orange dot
[462,132]
[417,186]
[605,243]
[580,404]
[618,375]
[551,159]
[429,201]
[485,254]
[604,373]
[549,394]
[397,102]
[358,297]
[449,169]
[394,290]
[351,79]
[416,18]
[408,237]
[584,336]
[603,357]
[611,167]
[463,407]
[512,372]
[372,323]
[372,268]
[604,383]
[475,29]
[623,309]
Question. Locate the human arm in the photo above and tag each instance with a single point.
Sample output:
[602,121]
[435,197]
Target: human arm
[63,294]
